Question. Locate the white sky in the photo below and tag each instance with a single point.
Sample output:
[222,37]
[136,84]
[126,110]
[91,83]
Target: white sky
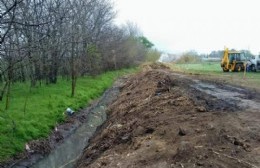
[202,25]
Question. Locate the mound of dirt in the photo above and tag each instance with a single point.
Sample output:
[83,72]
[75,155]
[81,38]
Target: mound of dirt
[157,65]
[159,120]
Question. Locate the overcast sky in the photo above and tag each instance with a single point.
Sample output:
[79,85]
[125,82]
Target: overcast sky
[202,25]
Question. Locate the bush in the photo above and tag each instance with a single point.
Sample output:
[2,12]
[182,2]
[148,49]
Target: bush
[188,57]
[152,55]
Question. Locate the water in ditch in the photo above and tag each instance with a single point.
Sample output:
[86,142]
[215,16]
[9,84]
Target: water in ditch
[66,154]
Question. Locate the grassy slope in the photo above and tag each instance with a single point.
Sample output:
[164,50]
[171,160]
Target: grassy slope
[214,71]
[45,107]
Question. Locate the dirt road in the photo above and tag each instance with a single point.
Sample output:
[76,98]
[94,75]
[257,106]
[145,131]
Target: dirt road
[163,119]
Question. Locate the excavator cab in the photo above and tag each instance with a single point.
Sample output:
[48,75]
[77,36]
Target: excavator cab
[233,60]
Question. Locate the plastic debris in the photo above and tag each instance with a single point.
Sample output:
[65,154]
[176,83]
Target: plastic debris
[69,111]
[27,148]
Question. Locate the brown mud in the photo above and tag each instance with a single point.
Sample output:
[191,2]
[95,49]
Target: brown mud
[163,119]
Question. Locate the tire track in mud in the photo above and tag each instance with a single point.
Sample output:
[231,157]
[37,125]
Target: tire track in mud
[236,97]
[233,97]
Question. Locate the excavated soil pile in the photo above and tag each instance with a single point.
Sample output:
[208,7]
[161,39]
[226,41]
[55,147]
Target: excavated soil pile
[160,121]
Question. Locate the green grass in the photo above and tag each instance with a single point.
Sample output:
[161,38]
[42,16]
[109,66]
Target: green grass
[214,71]
[201,68]
[44,109]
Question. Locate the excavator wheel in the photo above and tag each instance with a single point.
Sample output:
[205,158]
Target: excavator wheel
[238,68]
[225,70]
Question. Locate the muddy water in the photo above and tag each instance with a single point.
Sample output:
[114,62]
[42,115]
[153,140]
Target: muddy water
[65,155]
[230,94]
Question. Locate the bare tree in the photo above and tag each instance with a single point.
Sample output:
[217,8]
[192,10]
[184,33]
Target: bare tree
[43,39]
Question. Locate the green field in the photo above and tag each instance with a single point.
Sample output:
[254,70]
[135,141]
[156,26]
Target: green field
[212,70]
[44,108]
[201,68]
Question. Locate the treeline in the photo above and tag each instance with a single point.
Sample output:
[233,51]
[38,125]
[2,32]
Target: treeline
[194,57]
[44,39]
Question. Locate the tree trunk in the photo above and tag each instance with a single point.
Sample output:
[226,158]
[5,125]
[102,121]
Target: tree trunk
[73,71]
[10,77]
[3,91]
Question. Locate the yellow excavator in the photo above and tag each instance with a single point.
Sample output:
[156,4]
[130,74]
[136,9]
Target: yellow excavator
[233,60]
